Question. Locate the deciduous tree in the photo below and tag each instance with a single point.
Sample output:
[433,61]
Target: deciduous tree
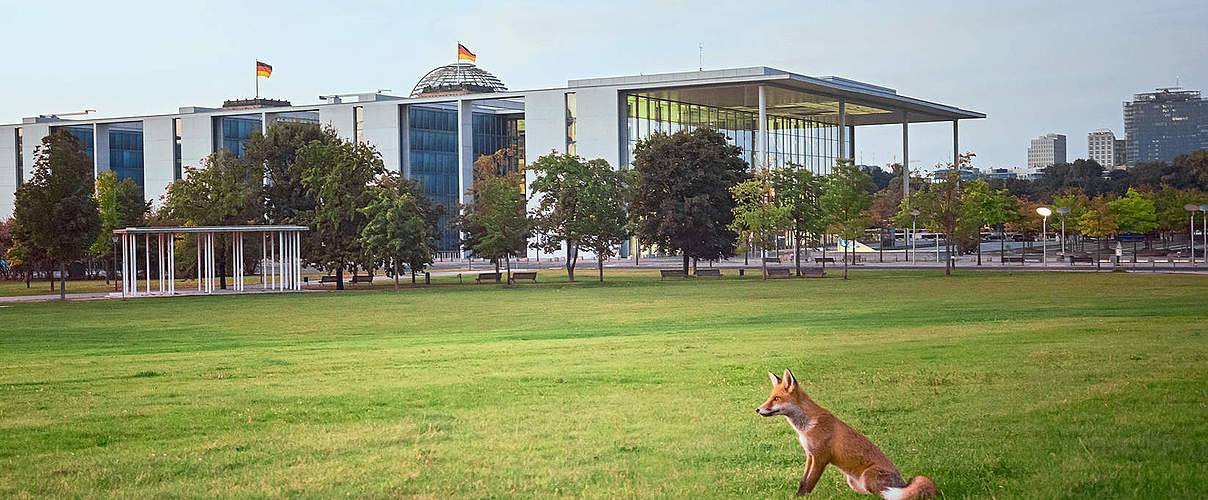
[682,201]
[797,189]
[582,204]
[845,201]
[757,216]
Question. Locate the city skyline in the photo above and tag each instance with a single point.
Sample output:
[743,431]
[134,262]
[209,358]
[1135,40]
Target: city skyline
[183,55]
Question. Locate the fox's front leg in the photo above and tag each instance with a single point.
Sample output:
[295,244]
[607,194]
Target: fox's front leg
[813,472]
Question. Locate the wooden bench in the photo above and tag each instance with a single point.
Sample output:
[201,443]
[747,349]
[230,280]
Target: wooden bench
[525,275]
[700,273]
[783,272]
[328,279]
[1075,259]
[813,273]
[671,273]
[362,278]
[771,260]
[1012,259]
[487,277]
[819,260]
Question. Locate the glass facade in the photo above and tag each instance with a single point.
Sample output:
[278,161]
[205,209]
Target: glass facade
[812,143]
[20,159]
[232,131]
[126,152]
[176,151]
[85,135]
[358,118]
[1162,125]
[434,163]
[433,155]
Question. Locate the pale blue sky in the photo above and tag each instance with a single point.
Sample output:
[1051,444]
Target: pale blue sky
[1033,67]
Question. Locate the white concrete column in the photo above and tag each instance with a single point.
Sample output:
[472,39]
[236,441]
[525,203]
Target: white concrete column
[465,148]
[125,264]
[761,137]
[956,150]
[905,155]
[200,280]
[843,152]
[147,259]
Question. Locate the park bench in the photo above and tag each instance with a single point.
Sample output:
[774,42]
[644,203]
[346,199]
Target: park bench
[671,273]
[771,260]
[362,278]
[525,275]
[1075,259]
[819,260]
[813,273]
[328,279]
[782,272]
[487,277]
[1012,259]
[700,273]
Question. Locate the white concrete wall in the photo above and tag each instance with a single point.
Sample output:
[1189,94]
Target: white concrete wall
[382,131]
[196,139]
[465,147]
[100,149]
[159,141]
[599,124]
[33,134]
[8,170]
[339,118]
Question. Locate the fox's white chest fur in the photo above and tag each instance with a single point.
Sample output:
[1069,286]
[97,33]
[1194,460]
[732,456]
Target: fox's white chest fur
[802,426]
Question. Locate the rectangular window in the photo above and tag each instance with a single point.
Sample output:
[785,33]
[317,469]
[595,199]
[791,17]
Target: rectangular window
[176,156]
[358,116]
[20,160]
[572,126]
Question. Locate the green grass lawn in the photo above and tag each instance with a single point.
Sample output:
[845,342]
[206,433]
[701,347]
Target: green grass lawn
[1026,385]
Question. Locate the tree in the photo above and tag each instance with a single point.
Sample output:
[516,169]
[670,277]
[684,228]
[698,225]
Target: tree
[1099,222]
[582,204]
[982,208]
[495,222]
[276,151]
[1075,200]
[397,231]
[797,189]
[225,190]
[1135,214]
[757,216]
[844,201]
[682,201]
[1168,204]
[56,211]
[942,207]
[120,206]
[337,175]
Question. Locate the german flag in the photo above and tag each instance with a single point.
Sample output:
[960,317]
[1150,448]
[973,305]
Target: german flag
[263,69]
[464,53]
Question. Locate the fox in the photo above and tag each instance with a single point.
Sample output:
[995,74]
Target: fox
[828,440]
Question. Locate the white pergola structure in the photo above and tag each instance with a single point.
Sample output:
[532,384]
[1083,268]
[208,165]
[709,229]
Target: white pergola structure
[280,257]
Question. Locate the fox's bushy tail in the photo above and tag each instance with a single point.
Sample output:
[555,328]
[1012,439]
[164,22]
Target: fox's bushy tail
[920,487]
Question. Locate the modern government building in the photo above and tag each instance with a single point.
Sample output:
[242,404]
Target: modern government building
[459,112]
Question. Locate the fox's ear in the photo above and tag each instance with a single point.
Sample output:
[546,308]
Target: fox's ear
[789,379]
[775,379]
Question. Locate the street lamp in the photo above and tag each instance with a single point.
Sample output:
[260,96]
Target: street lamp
[1204,208]
[1044,228]
[1191,207]
[914,214]
[1063,211]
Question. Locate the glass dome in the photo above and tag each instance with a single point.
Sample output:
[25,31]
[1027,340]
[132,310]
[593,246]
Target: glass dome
[457,79]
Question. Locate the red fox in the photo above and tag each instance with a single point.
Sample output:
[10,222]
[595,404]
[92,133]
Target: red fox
[827,440]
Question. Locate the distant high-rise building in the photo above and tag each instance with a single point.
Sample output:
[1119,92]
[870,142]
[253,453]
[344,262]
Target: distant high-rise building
[1046,150]
[1164,124]
[1121,153]
[1102,146]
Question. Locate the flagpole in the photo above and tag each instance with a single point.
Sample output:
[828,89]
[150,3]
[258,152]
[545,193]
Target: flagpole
[257,66]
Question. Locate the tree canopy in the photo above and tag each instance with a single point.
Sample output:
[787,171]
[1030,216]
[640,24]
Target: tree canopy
[682,200]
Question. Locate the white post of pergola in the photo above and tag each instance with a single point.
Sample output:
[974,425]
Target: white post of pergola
[263,264]
[171,263]
[125,264]
[147,260]
[298,259]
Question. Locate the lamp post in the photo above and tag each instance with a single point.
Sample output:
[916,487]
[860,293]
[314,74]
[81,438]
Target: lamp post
[1204,218]
[914,214]
[1063,211]
[1192,208]
[1044,228]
